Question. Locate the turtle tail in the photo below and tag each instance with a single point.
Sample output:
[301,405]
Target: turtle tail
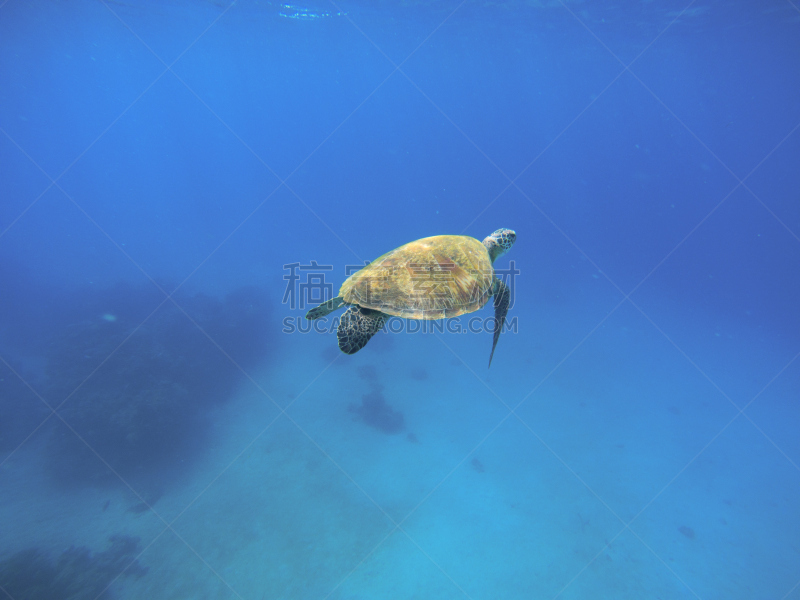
[357,326]
[502,298]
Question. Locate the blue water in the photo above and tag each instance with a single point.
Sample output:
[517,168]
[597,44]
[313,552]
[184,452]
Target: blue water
[170,429]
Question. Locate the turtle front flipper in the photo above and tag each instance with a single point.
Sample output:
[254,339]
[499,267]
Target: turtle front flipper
[502,298]
[357,326]
[325,308]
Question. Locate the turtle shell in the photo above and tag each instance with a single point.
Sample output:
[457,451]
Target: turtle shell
[432,278]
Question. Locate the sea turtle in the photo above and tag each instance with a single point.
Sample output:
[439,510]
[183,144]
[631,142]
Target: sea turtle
[432,278]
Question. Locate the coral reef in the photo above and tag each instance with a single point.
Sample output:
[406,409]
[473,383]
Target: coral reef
[22,411]
[375,412]
[77,574]
[138,393]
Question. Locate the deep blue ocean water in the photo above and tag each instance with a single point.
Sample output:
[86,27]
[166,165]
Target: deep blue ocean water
[181,181]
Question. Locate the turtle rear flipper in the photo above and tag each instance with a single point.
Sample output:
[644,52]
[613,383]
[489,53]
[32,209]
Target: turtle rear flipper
[502,298]
[357,326]
[325,308]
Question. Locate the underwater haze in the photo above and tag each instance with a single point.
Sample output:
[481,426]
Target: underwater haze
[181,181]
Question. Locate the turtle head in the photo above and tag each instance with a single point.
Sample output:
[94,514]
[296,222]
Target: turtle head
[499,243]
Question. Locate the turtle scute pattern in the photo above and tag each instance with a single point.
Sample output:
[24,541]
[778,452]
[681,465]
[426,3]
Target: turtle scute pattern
[432,278]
